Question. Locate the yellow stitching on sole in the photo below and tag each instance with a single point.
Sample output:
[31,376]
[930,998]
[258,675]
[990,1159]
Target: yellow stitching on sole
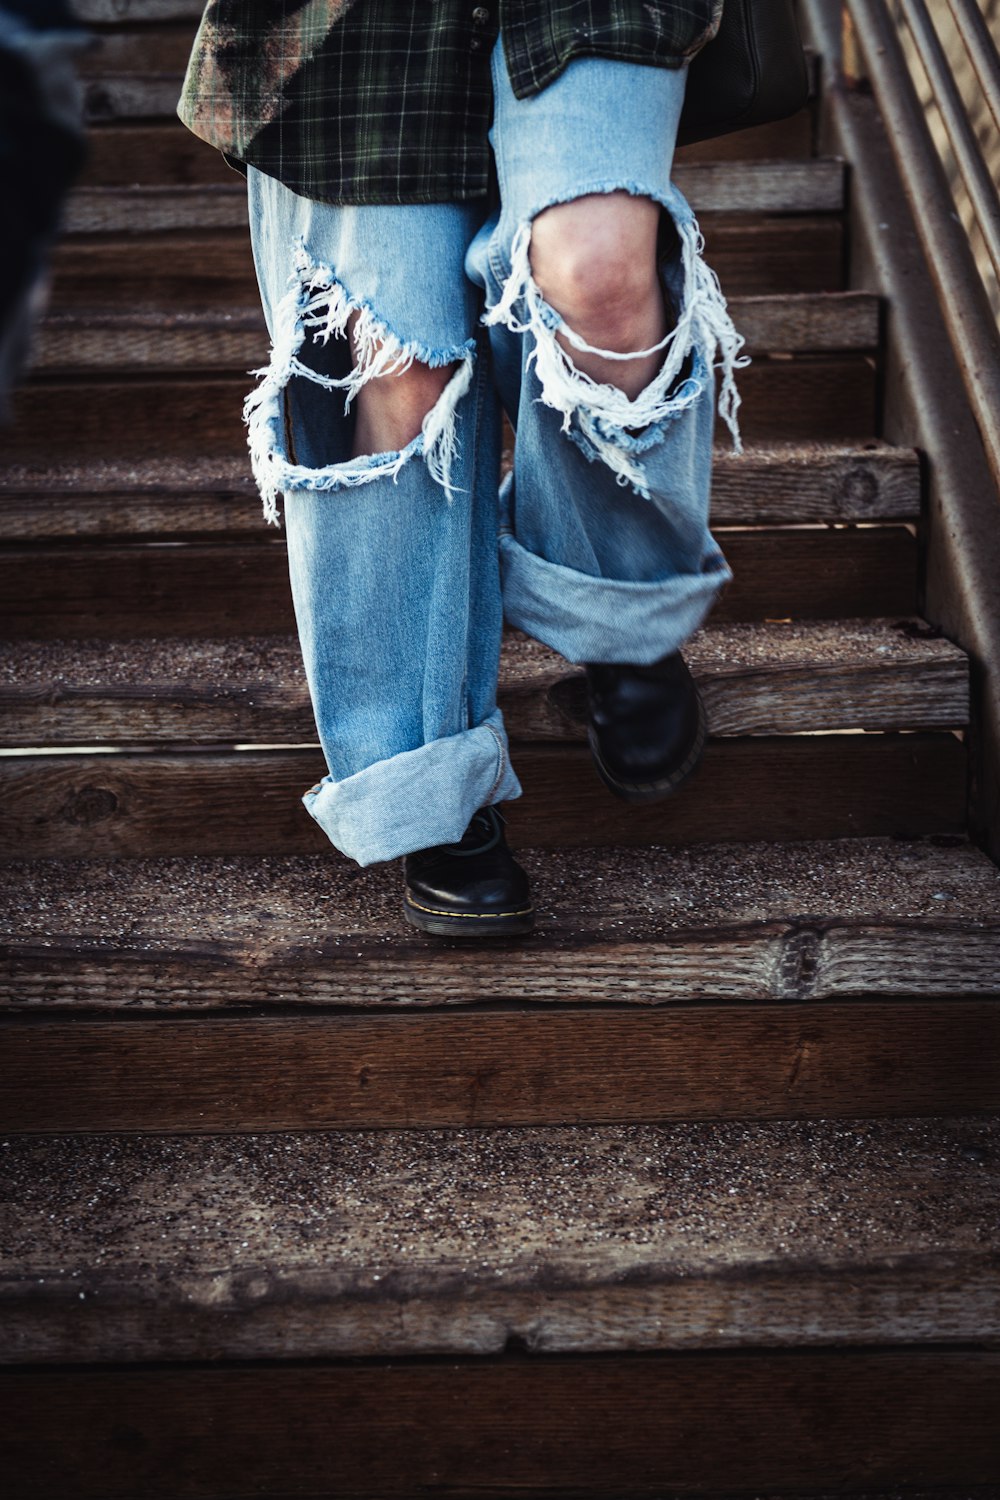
[435,911]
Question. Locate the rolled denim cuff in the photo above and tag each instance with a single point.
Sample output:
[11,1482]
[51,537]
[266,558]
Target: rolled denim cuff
[419,798]
[605,619]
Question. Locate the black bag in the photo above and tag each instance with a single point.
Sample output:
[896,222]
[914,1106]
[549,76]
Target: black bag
[751,72]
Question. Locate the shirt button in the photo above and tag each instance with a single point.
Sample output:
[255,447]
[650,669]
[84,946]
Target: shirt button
[480,15]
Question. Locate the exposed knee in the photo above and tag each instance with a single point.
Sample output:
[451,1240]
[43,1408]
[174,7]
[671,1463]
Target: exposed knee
[390,409]
[594,261]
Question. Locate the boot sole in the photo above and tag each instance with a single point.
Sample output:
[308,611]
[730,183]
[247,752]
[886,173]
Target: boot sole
[473,924]
[653,791]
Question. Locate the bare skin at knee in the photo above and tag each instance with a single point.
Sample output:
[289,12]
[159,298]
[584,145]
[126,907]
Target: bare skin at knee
[389,410]
[594,260]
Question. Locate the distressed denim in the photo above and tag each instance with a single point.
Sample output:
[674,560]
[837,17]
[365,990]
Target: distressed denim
[403,565]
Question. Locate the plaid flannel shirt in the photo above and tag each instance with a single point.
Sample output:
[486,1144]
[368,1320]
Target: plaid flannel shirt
[390,101]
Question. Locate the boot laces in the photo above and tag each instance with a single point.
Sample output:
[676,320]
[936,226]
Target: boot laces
[484,833]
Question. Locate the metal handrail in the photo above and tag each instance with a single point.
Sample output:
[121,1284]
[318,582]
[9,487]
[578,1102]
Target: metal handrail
[969,317]
[981,187]
[972,28]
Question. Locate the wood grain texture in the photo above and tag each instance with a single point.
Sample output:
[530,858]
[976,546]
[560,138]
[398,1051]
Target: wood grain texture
[205,589]
[763,187]
[162,154]
[78,806]
[627,1428]
[346,1072]
[567,1239]
[812,920]
[129,97]
[185,498]
[757,678]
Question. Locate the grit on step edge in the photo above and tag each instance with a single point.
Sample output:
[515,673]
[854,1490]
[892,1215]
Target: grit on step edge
[568,1239]
[797,921]
[770,678]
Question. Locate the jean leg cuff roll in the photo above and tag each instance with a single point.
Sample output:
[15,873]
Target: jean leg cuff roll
[418,798]
[605,619]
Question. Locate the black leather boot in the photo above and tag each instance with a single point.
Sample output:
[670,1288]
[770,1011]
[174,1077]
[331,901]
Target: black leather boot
[474,888]
[646,726]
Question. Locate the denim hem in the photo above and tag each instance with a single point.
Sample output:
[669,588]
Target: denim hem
[605,619]
[418,798]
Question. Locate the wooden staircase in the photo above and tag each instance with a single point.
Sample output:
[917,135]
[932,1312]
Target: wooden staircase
[695,1191]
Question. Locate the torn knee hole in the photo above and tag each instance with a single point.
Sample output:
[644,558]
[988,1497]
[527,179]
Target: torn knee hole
[391,409]
[601,417]
[431,381]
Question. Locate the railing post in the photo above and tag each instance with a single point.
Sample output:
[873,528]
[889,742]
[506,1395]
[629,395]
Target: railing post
[852,67]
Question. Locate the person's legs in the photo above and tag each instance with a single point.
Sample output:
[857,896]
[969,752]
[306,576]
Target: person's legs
[377,421]
[592,266]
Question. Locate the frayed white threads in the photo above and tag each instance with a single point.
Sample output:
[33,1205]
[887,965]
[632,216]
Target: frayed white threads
[602,411]
[316,305]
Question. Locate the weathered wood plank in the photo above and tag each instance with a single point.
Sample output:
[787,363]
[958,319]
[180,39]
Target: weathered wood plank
[570,1240]
[761,187]
[517,1068]
[153,155]
[138,209]
[756,678]
[234,338]
[83,805]
[799,254]
[208,589]
[126,97]
[165,273]
[768,678]
[146,54]
[175,498]
[819,398]
[782,139]
[660,1426]
[813,920]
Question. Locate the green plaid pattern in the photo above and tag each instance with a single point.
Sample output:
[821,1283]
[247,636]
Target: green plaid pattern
[390,101]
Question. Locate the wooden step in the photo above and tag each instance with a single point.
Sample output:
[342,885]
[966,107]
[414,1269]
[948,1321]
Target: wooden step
[877,1424]
[566,1240]
[807,921]
[164,498]
[808,786]
[235,338]
[519,1066]
[760,187]
[196,588]
[756,679]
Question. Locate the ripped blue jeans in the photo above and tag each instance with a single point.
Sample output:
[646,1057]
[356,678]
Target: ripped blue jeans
[404,564]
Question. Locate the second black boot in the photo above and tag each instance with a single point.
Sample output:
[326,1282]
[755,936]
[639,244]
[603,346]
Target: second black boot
[646,726]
